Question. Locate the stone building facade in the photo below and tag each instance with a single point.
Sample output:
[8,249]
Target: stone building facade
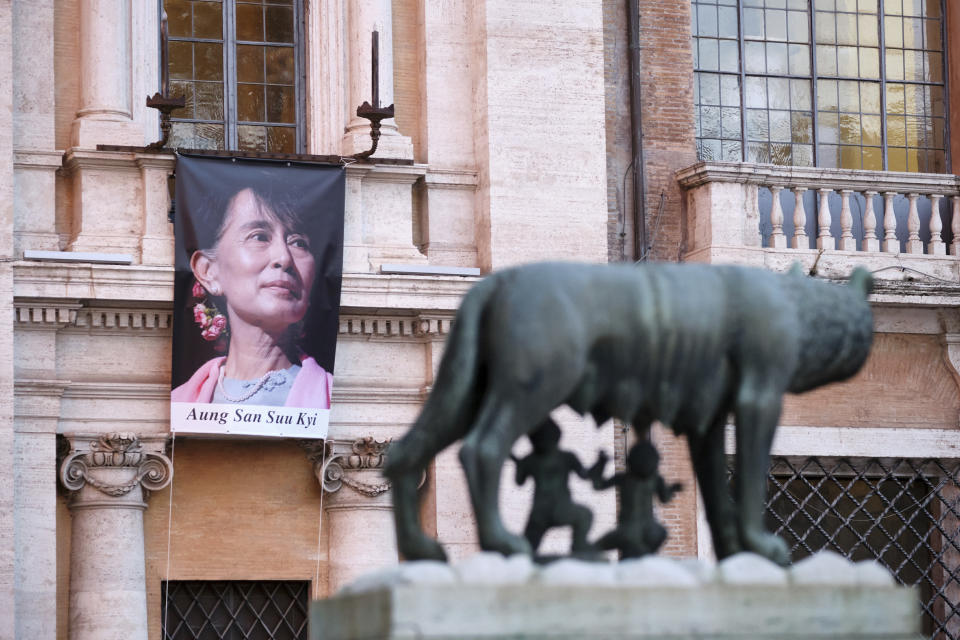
[511,144]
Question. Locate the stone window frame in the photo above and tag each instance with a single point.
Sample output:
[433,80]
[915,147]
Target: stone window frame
[732,114]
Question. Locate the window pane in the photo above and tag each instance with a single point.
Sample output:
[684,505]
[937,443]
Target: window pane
[777,58]
[710,122]
[208,61]
[893,6]
[798,29]
[208,20]
[755,57]
[872,127]
[279,24]
[870,97]
[893,31]
[799,60]
[706,20]
[730,123]
[801,125]
[868,31]
[849,93]
[709,88]
[178,17]
[208,100]
[776,24]
[781,154]
[895,98]
[896,131]
[894,64]
[826,28]
[850,158]
[727,22]
[827,60]
[931,34]
[778,92]
[708,55]
[803,155]
[913,65]
[869,62]
[849,128]
[249,22]
[828,156]
[185,89]
[847,62]
[730,90]
[780,126]
[753,23]
[873,158]
[933,63]
[800,94]
[281,105]
[191,135]
[758,152]
[846,29]
[180,61]
[732,151]
[250,103]
[756,95]
[281,140]
[252,138]
[757,124]
[729,56]
[829,128]
[827,98]
[249,63]
[280,65]
[896,159]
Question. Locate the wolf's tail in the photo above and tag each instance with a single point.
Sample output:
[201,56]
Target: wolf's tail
[448,411]
[861,280]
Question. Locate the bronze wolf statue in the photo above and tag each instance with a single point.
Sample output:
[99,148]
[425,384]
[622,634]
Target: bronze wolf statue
[685,344]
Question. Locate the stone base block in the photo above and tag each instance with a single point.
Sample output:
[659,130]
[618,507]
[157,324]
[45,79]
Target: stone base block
[746,597]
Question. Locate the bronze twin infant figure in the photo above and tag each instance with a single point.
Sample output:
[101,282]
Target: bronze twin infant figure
[687,345]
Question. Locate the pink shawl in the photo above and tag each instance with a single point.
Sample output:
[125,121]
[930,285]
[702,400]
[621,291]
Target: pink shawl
[311,388]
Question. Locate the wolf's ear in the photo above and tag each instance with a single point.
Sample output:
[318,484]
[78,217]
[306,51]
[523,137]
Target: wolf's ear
[861,280]
[795,270]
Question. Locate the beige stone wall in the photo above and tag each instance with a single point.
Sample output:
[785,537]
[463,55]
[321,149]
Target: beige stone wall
[904,383]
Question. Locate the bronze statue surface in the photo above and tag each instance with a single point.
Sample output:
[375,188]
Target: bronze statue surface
[684,344]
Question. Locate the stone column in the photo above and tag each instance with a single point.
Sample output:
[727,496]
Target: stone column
[110,476]
[106,107]
[363,18]
[357,508]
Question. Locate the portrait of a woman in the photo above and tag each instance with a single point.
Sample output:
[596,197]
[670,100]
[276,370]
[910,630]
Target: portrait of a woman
[253,252]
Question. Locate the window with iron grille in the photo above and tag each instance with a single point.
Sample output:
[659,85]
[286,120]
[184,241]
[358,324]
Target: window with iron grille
[239,65]
[234,610]
[903,513]
[853,84]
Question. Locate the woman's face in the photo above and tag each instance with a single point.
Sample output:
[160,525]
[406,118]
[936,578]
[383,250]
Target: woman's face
[264,270]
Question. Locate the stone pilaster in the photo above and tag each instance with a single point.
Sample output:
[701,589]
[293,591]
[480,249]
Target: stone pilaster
[357,507]
[109,477]
[363,18]
[106,101]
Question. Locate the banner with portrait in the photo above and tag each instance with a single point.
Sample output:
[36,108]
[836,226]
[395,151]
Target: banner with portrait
[259,260]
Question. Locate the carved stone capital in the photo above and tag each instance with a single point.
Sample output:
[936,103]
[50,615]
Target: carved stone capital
[355,464]
[115,464]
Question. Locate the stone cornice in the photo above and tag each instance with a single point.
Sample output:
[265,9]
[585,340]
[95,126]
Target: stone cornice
[451,179]
[140,284]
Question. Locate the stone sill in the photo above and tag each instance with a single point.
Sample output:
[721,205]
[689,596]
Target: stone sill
[153,287]
[817,177]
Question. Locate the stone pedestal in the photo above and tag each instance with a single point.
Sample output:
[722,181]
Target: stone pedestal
[109,476]
[487,596]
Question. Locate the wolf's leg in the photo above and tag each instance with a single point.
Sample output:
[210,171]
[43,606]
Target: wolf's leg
[757,411]
[483,453]
[409,458]
[709,463]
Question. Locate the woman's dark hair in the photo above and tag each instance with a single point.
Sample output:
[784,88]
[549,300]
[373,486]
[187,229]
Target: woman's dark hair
[298,197]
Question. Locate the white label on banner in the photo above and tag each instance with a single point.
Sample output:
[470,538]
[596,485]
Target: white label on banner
[248,420]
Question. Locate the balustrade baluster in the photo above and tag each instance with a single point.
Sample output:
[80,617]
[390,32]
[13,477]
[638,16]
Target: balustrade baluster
[800,240]
[777,239]
[824,239]
[870,240]
[890,242]
[955,226]
[914,245]
[936,247]
[847,241]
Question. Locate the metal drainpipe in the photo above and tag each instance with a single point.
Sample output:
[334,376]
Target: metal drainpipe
[636,134]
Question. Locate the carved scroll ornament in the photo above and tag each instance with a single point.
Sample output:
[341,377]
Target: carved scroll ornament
[116,450]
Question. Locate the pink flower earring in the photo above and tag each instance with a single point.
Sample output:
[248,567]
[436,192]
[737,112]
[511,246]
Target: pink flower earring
[205,313]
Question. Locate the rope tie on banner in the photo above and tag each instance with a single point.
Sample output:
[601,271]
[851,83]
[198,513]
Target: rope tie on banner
[323,468]
[166,595]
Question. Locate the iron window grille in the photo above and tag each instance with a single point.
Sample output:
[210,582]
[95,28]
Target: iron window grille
[901,512]
[234,610]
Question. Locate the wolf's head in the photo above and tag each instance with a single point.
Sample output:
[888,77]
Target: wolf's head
[836,328]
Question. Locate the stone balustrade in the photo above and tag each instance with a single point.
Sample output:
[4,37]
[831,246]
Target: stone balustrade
[831,215]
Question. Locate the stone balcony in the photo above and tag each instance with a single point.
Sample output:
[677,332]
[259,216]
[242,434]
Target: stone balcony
[901,226]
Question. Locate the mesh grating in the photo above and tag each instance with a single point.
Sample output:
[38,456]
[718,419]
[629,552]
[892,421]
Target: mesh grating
[234,610]
[904,513]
